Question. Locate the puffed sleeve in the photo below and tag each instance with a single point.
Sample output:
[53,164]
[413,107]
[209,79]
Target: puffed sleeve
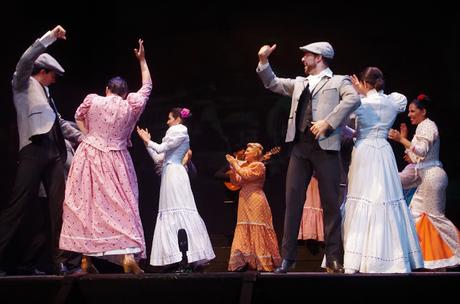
[409,177]
[399,100]
[252,172]
[83,109]
[234,177]
[138,99]
[173,138]
[425,134]
[158,159]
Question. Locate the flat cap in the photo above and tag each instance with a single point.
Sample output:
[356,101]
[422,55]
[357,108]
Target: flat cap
[321,48]
[47,61]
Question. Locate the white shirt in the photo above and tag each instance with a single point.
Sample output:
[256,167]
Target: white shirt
[313,80]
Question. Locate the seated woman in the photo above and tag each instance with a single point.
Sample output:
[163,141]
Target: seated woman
[254,243]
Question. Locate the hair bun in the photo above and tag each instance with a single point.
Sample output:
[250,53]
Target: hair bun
[421,97]
[185,113]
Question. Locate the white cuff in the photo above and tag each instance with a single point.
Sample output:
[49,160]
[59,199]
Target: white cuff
[47,39]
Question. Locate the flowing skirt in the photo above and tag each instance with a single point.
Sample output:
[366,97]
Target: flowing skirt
[177,210]
[378,229]
[100,212]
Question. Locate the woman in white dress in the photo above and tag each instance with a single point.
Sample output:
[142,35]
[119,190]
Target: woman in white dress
[439,238]
[177,209]
[378,230]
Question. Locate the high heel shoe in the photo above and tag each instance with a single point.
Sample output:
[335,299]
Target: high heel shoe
[130,265]
[87,265]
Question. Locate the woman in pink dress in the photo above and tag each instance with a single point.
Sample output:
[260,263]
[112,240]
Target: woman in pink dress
[101,214]
[311,224]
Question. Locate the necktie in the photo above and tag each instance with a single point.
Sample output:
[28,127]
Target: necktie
[50,101]
[304,110]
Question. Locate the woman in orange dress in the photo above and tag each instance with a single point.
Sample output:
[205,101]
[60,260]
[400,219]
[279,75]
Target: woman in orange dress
[255,245]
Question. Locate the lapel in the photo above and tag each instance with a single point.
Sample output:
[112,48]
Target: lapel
[298,93]
[320,85]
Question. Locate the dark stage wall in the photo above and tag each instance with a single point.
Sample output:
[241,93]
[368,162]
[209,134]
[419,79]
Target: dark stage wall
[203,56]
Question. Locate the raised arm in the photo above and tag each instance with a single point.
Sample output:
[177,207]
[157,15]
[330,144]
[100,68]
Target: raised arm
[283,86]
[140,55]
[26,63]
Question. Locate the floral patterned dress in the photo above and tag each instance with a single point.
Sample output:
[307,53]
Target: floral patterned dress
[101,212]
[439,238]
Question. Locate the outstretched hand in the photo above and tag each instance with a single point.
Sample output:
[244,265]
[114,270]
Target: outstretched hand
[140,52]
[230,159]
[144,134]
[265,52]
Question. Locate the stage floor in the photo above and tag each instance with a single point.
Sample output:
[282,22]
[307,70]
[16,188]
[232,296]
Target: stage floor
[226,287]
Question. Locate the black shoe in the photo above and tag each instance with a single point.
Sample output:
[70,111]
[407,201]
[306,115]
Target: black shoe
[199,267]
[286,265]
[334,266]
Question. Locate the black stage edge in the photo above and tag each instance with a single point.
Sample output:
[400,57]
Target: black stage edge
[226,287]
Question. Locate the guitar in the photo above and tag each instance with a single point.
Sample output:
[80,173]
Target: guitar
[232,187]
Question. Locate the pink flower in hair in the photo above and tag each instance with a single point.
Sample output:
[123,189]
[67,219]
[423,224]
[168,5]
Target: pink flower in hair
[184,113]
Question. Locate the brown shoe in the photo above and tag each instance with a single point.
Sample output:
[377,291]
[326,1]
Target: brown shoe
[130,265]
[334,266]
[87,265]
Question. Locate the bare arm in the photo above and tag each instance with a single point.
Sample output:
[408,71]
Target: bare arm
[81,126]
[140,55]
[400,136]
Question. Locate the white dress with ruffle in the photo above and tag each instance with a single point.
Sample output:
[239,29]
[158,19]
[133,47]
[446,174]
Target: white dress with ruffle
[378,230]
[177,209]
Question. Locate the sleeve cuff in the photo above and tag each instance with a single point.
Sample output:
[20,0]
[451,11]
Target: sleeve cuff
[262,66]
[47,39]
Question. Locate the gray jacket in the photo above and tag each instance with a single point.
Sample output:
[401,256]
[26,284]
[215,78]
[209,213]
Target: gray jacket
[333,100]
[34,114]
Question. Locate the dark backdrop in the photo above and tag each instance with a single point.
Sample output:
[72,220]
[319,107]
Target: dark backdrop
[203,56]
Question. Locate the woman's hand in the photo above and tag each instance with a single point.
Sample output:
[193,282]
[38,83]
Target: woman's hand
[140,52]
[144,135]
[407,159]
[231,160]
[403,130]
[394,135]
[357,84]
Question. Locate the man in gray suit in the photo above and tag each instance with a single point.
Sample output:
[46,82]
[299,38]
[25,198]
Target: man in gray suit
[42,151]
[320,104]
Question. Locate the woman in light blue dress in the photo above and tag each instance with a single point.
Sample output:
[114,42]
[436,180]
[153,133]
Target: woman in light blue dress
[378,230]
[177,209]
